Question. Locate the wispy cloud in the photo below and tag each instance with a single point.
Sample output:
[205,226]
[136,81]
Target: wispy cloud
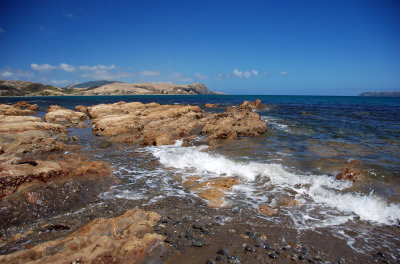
[42,67]
[69,15]
[97,67]
[9,73]
[200,76]
[222,76]
[283,73]
[47,31]
[254,72]
[178,77]
[67,67]
[2,30]
[149,73]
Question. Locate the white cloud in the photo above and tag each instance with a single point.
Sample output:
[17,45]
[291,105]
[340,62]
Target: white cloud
[9,73]
[200,76]
[6,74]
[178,77]
[254,72]
[60,82]
[283,73]
[42,67]
[246,74]
[67,67]
[2,30]
[97,67]
[149,73]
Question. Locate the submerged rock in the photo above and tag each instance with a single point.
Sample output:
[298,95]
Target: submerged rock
[350,172]
[124,239]
[210,105]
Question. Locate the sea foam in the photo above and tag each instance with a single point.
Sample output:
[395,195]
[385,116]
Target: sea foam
[322,190]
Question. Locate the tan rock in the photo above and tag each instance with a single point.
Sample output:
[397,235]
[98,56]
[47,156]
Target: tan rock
[234,123]
[81,108]
[59,115]
[255,105]
[214,190]
[210,105]
[350,172]
[267,210]
[20,108]
[124,239]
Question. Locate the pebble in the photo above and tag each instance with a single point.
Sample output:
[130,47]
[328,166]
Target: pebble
[249,248]
[210,261]
[233,260]
[303,257]
[197,243]
[270,247]
[286,247]
[197,226]
[294,257]
[250,234]
[341,261]
[189,235]
[223,251]
[279,251]
[261,245]
[273,255]
[220,258]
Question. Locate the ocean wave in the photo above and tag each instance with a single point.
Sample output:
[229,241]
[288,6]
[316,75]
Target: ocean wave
[321,190]
[276,123]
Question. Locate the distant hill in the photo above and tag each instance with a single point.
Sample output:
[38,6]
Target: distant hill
[381,94]
[90,84]
[118,88]
[24,88]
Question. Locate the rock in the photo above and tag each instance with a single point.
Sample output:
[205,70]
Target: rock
[105,144]
[214,190]
[210,105]
[255,105]
[210,261]
[81,108]
[350,172]
[155,124]
[197,243]
[249,248]
[124,239]
[273,255]
[234,123]
[220,258]
[233,260]
[59,115]
[267,210]
[20,108]
[223,251]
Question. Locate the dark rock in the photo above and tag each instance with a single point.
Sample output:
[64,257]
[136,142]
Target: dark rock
[233,260]
[279,251]
[197,226]
[286,247]
[197,243]
[250,234]
[303,257]
[273,255]
[210,261]
[270,247]
[164,220]
[220,258]
[261,245]
[294,257]
[223,251]
[341,261]
[249,248]
[105,144]
[379,255]
[189,235]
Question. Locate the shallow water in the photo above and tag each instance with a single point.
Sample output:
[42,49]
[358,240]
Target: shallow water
[309,138]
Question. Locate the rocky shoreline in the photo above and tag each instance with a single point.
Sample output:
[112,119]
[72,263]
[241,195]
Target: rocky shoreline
[50,210]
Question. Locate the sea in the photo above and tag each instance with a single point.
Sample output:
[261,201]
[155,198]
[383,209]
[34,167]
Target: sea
[310,139]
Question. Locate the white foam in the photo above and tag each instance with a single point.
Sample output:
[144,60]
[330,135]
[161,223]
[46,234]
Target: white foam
[276,123]
[321,190]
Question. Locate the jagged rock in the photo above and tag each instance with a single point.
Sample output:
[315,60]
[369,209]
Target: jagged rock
[350,172]
[81,108]
[255,105]
[234,123]
[124,239]
[210,105]
[20,108]
[59,115]
[267,210]
[155,124]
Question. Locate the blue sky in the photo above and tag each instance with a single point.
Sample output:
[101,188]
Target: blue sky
[241,47]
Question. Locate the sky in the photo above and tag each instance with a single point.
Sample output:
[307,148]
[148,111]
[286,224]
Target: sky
[276,47]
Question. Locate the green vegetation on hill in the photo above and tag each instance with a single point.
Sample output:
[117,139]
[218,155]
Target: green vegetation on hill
[23,88]
[91,84]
